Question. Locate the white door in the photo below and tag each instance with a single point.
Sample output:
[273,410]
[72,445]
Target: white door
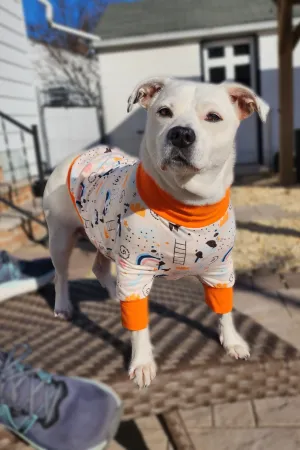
[70,130]
[235,61]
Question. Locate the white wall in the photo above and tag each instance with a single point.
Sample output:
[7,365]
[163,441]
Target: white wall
[121,71]
[17,93]
[268,64]
[69,130]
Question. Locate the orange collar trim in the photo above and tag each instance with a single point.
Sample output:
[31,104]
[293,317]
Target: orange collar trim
[69,186]
[172,210]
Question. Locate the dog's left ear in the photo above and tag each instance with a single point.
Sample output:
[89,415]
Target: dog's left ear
[246,101]
[145,91]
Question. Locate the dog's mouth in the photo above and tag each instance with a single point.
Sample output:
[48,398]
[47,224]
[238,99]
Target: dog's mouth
[178,160]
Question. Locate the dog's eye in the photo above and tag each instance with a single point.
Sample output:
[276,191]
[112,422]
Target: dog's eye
[165,112]
[213,117]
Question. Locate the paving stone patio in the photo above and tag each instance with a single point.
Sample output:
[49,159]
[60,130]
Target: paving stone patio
[258,425]
[274,302]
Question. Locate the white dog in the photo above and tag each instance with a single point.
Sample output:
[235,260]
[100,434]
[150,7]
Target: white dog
[168,215]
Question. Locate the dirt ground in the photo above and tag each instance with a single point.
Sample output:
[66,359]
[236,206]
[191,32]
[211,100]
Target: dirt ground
[269,241]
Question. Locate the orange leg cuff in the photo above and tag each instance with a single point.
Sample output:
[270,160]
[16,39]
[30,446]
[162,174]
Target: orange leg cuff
[135,314]
[220,300]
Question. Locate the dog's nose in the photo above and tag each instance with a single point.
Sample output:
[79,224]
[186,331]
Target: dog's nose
[181,137]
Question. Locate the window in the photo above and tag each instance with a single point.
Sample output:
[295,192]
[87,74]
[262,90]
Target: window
[241,49]
[243,74]
[216,52]
[217,74]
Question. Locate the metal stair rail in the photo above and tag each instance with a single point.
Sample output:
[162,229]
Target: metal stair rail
[33,131]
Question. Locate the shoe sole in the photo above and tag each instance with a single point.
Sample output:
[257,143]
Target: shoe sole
[13,288]
[113,428]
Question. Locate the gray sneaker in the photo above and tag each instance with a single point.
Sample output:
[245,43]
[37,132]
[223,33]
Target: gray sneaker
[53,412]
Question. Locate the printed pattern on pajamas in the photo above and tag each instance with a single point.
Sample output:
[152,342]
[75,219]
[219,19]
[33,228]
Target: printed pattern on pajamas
[149,234]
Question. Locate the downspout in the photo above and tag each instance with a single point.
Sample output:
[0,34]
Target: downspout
[57,26]
[84,35]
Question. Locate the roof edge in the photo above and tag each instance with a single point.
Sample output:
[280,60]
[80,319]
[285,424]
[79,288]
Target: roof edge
[169,37]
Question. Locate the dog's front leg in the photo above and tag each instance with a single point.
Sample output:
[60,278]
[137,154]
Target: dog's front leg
[231,340]
[142,368]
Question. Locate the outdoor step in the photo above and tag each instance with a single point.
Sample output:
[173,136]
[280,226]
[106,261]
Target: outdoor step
[16,229]
[19,193]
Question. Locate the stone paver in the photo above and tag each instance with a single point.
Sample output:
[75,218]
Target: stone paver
[292,280]
[278,412]
[152,436]
[288,329]
[291,299]
[197,418]
[153,433]
[268,283]
[234,415]
[271,311]
[246,439]
[252,303]
[115,446]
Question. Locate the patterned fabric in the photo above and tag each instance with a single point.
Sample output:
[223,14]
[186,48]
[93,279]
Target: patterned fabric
[112,193]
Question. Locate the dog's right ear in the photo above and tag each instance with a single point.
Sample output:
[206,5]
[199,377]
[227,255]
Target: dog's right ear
[145,91]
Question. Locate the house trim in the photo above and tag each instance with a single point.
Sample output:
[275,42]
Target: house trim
[179,36]
[258,90]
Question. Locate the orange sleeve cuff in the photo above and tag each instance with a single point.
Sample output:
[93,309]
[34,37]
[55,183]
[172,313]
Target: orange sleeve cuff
[220,300]
[135,314]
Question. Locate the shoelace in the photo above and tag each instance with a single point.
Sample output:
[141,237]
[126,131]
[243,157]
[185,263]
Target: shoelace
[41,395]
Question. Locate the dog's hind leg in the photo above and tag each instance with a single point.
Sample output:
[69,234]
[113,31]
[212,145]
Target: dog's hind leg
[63,221]
[61,243]
[102,271]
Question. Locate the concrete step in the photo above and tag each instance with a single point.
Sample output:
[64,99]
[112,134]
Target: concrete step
[19,193]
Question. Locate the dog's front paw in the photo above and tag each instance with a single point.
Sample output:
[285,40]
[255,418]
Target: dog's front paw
[142,374]
[235,346]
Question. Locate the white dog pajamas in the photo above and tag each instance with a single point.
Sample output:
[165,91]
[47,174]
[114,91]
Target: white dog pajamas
[149,234]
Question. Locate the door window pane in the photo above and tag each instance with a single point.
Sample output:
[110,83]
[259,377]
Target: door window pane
[217,74]
[241,49]
[216,52]
[243,74]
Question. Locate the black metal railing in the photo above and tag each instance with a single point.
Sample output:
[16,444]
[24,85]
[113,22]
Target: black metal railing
[33,131]
[37,182]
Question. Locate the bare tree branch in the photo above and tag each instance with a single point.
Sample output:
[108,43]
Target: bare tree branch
[65,63]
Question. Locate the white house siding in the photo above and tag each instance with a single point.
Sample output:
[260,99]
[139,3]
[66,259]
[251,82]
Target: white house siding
[268,64]
[17,93]
[121,71]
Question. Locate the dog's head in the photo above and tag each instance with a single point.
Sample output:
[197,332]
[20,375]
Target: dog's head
[191,126]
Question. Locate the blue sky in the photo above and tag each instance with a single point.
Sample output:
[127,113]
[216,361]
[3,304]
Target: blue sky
[70,14]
